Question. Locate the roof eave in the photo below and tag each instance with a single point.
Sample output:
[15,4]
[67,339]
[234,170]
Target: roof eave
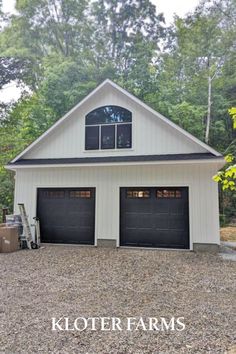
[220,162]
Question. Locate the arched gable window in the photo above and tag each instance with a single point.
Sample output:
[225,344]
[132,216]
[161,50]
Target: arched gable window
[108,127]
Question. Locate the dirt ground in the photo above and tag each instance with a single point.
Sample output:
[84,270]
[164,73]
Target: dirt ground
[65,281]
[228,233]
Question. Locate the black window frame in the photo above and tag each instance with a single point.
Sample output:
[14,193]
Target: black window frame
[130,136]
[89,146]
[114,121]
[112,135]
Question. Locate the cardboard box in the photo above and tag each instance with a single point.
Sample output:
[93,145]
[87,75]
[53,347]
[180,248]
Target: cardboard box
[9,239]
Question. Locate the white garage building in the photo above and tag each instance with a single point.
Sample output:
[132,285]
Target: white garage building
[114,172]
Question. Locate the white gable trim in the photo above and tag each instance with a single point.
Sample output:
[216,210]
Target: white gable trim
[133,98]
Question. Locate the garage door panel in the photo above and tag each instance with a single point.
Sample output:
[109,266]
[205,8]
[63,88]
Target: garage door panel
[177,207]
[161,206]
[85,235]
[73,217]
[52,212]
[67,215]
[76,205]
[138,206]
[177,223]
[137,220]
[174,240]
[138,237]
[159,220]
[53,234]
[53,219]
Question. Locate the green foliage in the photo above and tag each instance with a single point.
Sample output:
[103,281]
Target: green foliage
[232,112]
[189,117]
[11,69]
[66,84]
[227,177]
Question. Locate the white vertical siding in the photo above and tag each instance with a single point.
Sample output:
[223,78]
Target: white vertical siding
[150,134]
[203,193]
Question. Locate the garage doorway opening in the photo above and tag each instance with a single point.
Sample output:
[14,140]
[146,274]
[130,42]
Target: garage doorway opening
[67,215]
[156,217]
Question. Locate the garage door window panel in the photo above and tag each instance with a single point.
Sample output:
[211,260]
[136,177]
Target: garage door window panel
[80,194]
[138,194]
[54,194]
[168,193]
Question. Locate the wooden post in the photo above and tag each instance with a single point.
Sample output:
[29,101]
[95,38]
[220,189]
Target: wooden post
[4,213]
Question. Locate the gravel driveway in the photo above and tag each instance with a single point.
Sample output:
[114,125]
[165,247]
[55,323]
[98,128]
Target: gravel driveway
[59,281]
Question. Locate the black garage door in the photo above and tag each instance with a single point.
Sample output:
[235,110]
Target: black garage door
[154,217]
[66,215]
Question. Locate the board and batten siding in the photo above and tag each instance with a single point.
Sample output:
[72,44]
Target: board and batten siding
[150,135]
[203,195]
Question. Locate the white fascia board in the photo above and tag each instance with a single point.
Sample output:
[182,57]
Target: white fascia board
[220,162]
[133,98]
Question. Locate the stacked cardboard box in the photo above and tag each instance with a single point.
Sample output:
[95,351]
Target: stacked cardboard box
[9,238]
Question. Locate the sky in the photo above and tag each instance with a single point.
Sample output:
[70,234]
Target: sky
[168,7]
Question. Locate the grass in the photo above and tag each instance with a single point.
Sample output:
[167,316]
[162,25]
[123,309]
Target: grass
[228,233]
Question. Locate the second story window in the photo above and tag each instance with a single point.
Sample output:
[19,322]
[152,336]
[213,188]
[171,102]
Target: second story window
[108,127]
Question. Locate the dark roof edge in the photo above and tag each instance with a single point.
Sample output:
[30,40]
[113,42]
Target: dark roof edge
[111,159]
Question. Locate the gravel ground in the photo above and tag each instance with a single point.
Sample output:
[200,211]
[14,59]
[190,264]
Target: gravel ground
[59,281]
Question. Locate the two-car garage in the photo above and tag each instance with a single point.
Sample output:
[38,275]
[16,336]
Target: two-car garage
[114,172]
[149,216]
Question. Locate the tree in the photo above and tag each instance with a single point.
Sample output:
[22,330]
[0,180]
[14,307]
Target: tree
[11,69]
[227,177]
[120,25]
[55,25]
[200,40]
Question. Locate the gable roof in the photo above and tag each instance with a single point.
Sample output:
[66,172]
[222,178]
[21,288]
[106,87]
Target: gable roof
[132,97]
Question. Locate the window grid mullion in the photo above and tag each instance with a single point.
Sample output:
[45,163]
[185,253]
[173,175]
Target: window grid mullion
[100,137]
[104,124]
[115,136]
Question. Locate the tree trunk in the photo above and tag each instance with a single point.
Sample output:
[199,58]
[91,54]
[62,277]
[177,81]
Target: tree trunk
[208,121]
